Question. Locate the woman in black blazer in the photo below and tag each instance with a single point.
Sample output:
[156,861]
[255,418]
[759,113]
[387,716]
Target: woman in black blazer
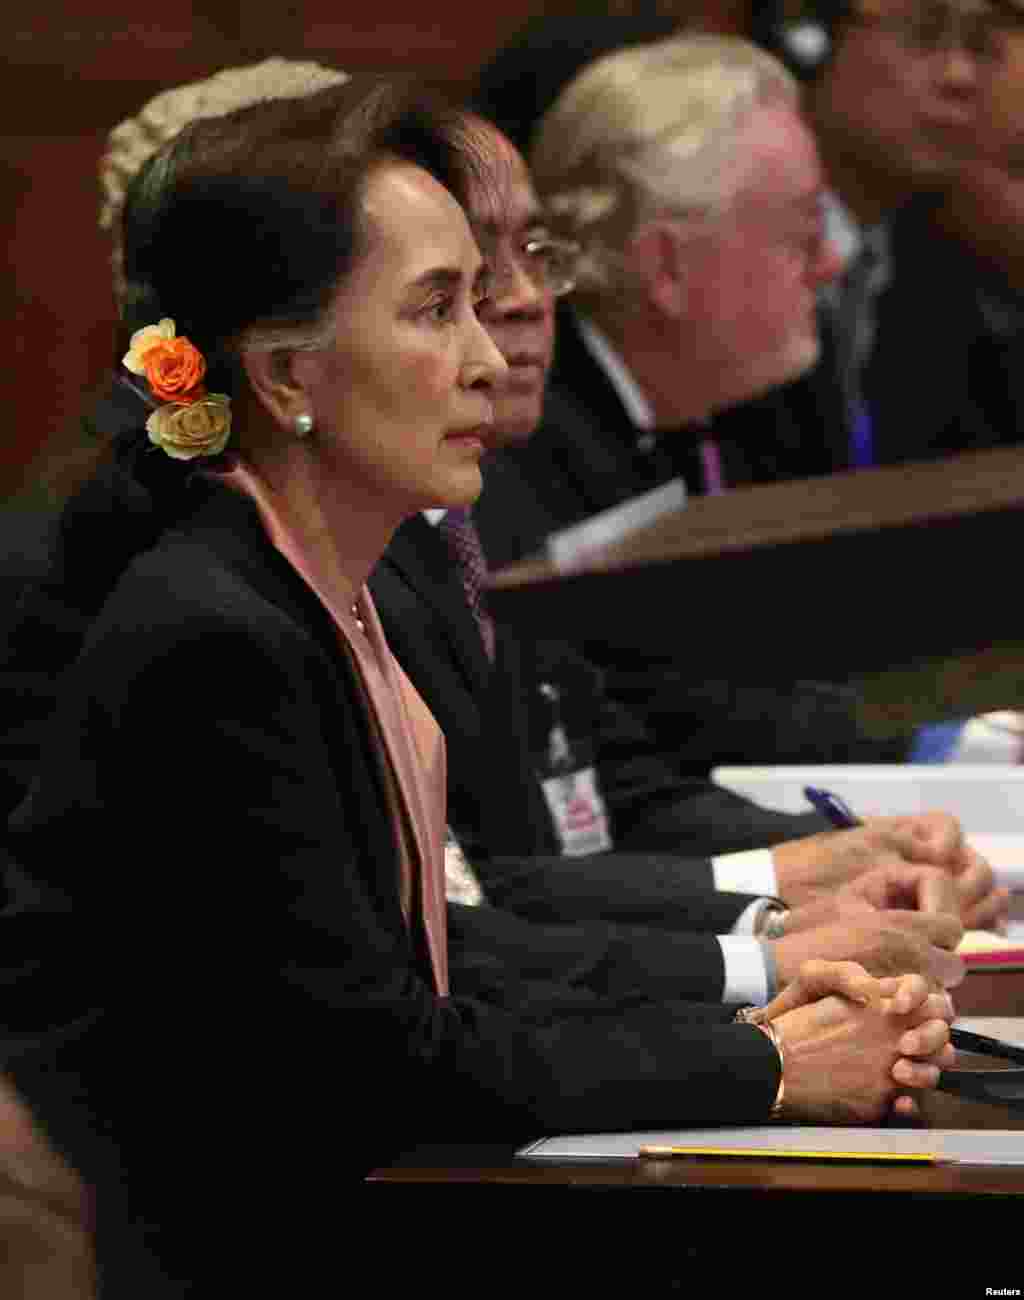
[226,955]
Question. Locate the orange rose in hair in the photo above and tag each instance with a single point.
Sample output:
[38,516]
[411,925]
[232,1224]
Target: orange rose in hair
[174,370]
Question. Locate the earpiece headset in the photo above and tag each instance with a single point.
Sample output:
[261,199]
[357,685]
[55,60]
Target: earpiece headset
[800,34]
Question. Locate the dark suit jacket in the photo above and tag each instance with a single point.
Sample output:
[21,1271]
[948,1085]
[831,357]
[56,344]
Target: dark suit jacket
[939,381]
[593,959]
[211,991]
[498,812]
[494,737]
[596,957]
[586,457]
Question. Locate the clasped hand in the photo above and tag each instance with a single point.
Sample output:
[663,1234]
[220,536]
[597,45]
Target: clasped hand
[854,1044]
[811,868]
[892,920]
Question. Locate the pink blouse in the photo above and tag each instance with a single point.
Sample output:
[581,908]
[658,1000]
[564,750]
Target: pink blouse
[412,744]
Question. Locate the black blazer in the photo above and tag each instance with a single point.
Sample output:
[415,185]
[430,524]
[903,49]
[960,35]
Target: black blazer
[595,958]
[497,809]
[210,988]
[586,457]
[664,825]
[939,380]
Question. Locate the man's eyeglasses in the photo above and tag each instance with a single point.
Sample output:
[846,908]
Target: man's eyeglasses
[935,29]
[548,263]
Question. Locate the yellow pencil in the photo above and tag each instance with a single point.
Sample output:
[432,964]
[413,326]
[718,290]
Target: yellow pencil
[914,1157]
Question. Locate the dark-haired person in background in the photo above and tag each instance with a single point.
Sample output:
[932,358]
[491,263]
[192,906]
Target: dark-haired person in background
[982,209]
[892,91]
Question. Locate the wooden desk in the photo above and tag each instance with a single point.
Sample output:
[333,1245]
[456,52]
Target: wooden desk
[578,1226]
[570,1230]
[909,526]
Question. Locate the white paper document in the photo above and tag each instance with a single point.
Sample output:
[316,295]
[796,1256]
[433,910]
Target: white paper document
[958,1146]
[985,797]
[1005,851]
[572,547]
[1008,1029]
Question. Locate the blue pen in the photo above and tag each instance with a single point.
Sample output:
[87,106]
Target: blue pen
[836,810]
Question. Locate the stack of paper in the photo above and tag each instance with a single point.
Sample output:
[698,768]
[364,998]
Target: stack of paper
[958,1146]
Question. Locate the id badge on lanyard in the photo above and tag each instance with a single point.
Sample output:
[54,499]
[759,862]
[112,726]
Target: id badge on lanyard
[571,790]
[461,882]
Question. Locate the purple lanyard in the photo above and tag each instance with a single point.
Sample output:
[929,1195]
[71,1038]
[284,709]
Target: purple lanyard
[862,438]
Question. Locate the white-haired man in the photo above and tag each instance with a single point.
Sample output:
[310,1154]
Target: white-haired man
[686,174]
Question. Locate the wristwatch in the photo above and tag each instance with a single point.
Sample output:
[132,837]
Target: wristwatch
[771,921]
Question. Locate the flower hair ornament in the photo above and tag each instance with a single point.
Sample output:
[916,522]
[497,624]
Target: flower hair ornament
[187,420]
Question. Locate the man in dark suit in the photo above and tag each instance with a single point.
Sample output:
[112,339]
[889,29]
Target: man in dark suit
[497,716]
[670,840]
[891,90]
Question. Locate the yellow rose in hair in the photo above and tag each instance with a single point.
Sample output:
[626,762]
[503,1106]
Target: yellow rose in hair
[144,339]
[199,428]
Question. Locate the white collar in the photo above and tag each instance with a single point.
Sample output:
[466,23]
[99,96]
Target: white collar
[844,230]
[435,514]
[638,408]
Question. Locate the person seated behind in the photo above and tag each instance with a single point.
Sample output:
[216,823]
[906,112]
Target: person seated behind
[893,96]
[509,821]
[982,206]
[235,739]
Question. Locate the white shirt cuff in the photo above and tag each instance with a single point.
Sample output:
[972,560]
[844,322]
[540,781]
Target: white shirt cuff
[746,971]
[749,872]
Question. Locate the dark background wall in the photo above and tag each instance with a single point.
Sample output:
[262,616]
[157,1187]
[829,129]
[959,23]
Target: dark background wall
[74,68]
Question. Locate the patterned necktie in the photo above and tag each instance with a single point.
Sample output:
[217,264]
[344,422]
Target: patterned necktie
[464,540]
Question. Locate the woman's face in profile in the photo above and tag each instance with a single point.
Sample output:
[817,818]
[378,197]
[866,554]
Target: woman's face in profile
[404,398]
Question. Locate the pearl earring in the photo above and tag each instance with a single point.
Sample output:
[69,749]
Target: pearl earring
[303,425]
